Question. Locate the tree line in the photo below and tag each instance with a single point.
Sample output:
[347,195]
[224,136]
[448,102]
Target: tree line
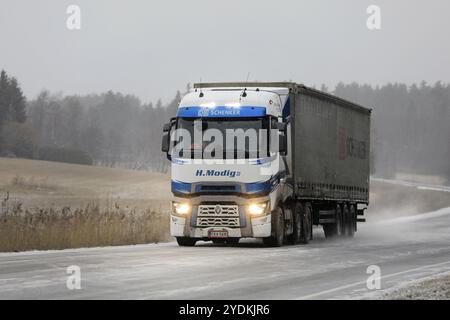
[410,127]
[114,129]
[13,117]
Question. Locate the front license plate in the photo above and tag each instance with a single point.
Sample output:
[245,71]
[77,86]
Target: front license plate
[218,234]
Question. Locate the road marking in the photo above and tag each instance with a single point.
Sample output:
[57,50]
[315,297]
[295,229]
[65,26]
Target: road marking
[317,294]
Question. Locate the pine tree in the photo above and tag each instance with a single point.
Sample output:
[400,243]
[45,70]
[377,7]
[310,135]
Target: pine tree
[17,102]
[12,100]
[4,107]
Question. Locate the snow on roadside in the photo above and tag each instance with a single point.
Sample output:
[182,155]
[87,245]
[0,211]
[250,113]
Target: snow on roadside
[419,186]
[416,217]
[435,287]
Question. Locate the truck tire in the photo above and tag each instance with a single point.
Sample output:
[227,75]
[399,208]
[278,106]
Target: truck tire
[332,230]
[277,237]
[306,231]
[346,221]
[186,242]
[297,213]
[352,223]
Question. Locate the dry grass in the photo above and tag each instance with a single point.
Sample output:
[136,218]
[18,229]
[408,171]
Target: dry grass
[52,228]
[32,183]
[50,205]
[38,183]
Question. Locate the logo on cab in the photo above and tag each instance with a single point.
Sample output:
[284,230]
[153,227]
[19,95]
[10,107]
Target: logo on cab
[217,173]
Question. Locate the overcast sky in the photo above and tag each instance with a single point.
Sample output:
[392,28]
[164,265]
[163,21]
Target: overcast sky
[152,48]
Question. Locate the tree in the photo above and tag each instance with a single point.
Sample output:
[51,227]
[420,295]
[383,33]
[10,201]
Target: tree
[17,102]
[18,140]
[12,100]
[4,107]
[12,111]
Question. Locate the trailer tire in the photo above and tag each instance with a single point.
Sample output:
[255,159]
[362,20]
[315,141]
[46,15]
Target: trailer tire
[352,222]
[332,230]
[186,242]
[278,234]
[347,220]
[339,220]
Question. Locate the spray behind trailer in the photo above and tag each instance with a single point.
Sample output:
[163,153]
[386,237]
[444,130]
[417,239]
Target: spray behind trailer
[266,160]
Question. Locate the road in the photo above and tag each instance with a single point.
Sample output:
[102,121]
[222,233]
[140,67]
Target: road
[405,249]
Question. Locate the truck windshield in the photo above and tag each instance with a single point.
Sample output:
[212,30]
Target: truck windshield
[247,129]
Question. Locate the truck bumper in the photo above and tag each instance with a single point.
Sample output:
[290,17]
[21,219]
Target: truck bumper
[248,226]
[262,227]
[177,226]
[258,228]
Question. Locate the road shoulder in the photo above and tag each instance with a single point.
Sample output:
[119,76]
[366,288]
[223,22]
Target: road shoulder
[436,287]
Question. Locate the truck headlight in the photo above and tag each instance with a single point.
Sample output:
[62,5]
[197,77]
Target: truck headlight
[258,209]
[181,208]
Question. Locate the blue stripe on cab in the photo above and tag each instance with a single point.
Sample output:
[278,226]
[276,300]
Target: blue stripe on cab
[221,112]
[181,187]
[248,188]
[258,187]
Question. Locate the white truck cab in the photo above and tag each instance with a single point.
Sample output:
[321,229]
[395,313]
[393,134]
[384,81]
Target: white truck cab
[226,200]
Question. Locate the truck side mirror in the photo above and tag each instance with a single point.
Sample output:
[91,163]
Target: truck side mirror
[167,126]
[281,126]
[165,145]
[165,142]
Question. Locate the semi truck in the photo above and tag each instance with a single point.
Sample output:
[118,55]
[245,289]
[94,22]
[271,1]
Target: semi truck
[310,168]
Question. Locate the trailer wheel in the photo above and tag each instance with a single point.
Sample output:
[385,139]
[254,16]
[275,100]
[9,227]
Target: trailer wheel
[186,242]
[334,229]
[339,220]
[306,225]
[346,221]
[277,237]
[352,221]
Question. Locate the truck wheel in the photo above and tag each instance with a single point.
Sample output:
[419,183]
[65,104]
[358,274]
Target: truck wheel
[352,221]
[277,237]
[186,242]
[306,225]
[297,229]
[218,241]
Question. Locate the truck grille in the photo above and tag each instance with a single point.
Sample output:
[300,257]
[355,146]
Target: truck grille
[218,216]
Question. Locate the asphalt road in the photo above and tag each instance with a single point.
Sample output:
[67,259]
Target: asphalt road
[405,250]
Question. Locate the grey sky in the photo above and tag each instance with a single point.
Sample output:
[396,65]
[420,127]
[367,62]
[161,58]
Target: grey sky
[153,48]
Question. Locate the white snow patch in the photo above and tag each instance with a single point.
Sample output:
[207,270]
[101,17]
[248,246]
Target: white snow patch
[417,217]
